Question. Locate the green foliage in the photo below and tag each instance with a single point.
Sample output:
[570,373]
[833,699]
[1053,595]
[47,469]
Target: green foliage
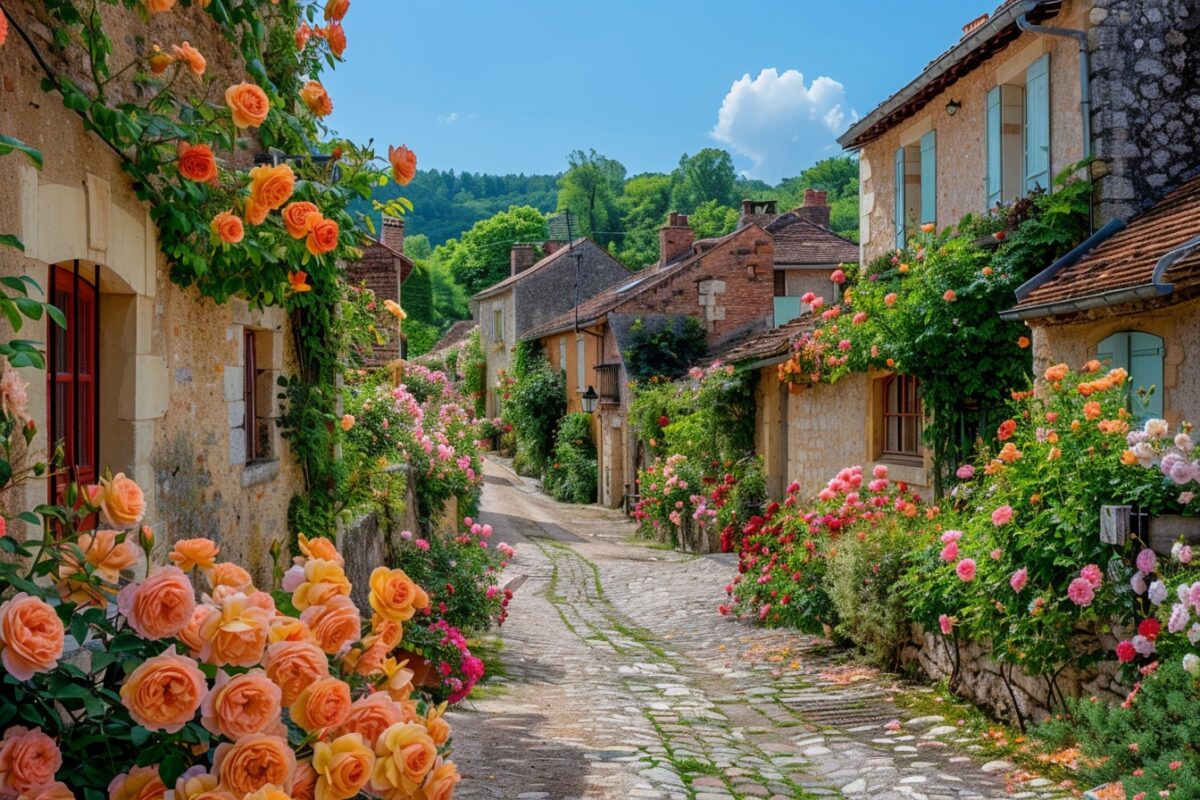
[536,401]
[472,370]
[421,337]
[418,296]
[711,219]
[480,257]
[572,473]
[590,189]
[665,350]
[644,206]
[706,176]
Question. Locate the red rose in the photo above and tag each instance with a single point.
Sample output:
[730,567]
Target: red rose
[663,422]
[1126,652]
[1150,628]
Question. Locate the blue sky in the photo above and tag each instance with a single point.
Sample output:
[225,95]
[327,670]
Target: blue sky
[485,86]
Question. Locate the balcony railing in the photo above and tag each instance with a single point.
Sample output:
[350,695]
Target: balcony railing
[608,382]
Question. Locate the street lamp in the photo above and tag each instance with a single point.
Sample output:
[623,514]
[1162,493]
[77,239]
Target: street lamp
[589,399]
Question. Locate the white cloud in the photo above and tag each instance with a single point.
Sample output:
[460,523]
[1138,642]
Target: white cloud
[448,119]
[780,124]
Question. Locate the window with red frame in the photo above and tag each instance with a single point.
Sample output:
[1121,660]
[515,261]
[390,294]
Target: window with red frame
[902,419]
[72,376]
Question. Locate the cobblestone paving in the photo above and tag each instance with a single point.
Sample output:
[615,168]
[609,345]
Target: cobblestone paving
[623,682]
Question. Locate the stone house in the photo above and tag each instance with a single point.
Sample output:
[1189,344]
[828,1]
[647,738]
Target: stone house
[149,379]
[722,282]
[536,292]
[383,269]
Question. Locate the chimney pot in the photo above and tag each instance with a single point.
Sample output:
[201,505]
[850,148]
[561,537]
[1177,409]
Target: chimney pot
[815,208]
[762,212]
[391,233]
[521,258]
[675,239]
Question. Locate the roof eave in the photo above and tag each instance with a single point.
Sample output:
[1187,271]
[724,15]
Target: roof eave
[1108,299]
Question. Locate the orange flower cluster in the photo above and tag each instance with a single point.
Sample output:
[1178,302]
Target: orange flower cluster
[270,668]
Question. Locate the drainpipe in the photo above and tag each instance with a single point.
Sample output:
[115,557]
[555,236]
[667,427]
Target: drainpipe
[1085,90]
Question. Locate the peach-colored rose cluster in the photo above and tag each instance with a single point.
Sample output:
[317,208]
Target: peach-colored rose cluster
[270,669]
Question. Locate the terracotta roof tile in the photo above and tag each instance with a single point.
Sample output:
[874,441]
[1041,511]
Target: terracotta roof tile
[1127,259]
[798,241]
[454,335]
[764,344]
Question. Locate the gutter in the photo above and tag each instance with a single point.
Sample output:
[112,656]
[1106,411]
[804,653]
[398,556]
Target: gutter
[1085,101]
[1155,289]
[1070,258]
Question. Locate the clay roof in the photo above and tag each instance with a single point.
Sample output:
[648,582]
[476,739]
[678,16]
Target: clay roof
[496,288]
[973,49]
[596,306]
[760,345]
[1126,260]
[798,241]
[455,334]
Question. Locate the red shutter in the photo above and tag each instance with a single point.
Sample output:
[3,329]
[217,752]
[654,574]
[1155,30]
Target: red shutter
[73,377]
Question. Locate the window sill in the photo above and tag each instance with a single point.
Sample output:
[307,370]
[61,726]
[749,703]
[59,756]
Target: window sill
[900,469]
[258,472]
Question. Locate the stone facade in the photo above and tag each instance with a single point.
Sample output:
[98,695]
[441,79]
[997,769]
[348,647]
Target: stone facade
[172,365]
[1145,73]
[383,269]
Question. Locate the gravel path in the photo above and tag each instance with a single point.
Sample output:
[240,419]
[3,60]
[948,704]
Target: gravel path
[624,682]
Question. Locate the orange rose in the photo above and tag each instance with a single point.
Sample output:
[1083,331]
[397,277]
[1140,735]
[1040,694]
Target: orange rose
[334,624]
[248,104]
[298,282]
[397,679]
[1056,373]
[316,98]
[195,782]
[440,783]
[140,783]
[335,35]
[368,659]
[189,554]
[28,759]
[370,716]
[50,791]
[404,164]
[270,187]
[236,634]
[436,725]
[227,227]
[928,227]
[158,6]
[1091,410]
[323,580]
[160,606]
[190,56]
[269,792]
[289,629]
[121,501]
[322,704]
[303,34]
[163,692]
[1092,366]
[335,10]
[394,596]
[190,635]
[295,218]
[253,762]
[319,547]
[293,666]
[393,308]
[158,61]
[196,162]
[227,573]
[323,237]
[304,787]
[1023,342]
[245,704]
[344,766]
[404,756]
[106,555]
[31,636]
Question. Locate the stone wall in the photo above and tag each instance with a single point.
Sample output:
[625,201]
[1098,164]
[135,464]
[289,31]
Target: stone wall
[549,291]
[1146,95]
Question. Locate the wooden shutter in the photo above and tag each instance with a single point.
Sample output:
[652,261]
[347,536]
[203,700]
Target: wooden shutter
[1037,124]
[929,177]
[899,199]
[1141,355]
[992,137]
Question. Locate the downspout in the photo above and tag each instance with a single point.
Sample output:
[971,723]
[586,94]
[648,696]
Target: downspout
[1085,89]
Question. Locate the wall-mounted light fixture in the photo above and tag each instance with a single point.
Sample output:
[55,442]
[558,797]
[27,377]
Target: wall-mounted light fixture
[589,399]
[952,107]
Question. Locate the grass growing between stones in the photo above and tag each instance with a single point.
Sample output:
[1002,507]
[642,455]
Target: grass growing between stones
[495,681]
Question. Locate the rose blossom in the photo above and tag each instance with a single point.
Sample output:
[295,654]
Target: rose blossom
[965,570]
[1146,561]
[1019,579]
[160,606]
[1002,515]
[1179,618]
[1081,592]
[1157,593]
[965,472]
[1191,664]
[31,636]
[951,536]
[950,552]
[946,624]
[28,759]
[1143,645]
[1092,574]
[163,692]
[1138,583]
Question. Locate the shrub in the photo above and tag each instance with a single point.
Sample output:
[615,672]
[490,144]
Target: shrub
[536,401]
[663,349]
[572,474]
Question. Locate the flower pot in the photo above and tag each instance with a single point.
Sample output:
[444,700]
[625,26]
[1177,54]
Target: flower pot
[422,669]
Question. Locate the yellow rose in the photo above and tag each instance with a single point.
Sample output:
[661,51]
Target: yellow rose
[404,757]
[394,596]
[343,767]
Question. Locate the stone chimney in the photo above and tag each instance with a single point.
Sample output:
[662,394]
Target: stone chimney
[521,258]
[815,208]
[392,233]
[675,239]
[763,212]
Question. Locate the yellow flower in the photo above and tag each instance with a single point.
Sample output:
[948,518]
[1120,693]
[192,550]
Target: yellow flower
[343,767]
[395,310]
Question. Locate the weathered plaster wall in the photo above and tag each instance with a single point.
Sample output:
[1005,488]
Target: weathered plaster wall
[1178,325]
[170,361]
[1146,90]
[961,144]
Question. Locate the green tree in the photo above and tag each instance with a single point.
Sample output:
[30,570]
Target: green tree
[711,219]
[417,247]
[644,205]
[708,175]
[481,257]
[417,295]
[449,298]
[590,190]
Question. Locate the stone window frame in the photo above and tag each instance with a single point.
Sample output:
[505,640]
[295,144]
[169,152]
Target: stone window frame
[264,329]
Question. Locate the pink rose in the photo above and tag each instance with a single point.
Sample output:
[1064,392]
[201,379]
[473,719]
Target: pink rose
[1019,579]
[1002,516]
[946,624]
[965,570]
[1092,574]
[1081,592]
[950,552]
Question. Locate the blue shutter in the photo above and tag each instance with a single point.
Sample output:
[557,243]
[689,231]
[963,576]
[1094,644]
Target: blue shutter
[1037,124]
[993,186]
[1141,355]
[900,199]
[929,177]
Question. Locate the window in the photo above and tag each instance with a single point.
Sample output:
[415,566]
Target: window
[902,420]
[916,185]
[562,355]
[249,395]
[73,392]
[1017,135]
[497,323]
[580,376]
[1141,355]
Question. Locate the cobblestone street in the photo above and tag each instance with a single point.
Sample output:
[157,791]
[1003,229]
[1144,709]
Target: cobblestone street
[623,682]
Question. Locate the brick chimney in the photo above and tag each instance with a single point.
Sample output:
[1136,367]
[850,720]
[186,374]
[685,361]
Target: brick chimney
[762,212]
[815,208]
[550,248]
[521,258]
[392,233]
[675,239]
